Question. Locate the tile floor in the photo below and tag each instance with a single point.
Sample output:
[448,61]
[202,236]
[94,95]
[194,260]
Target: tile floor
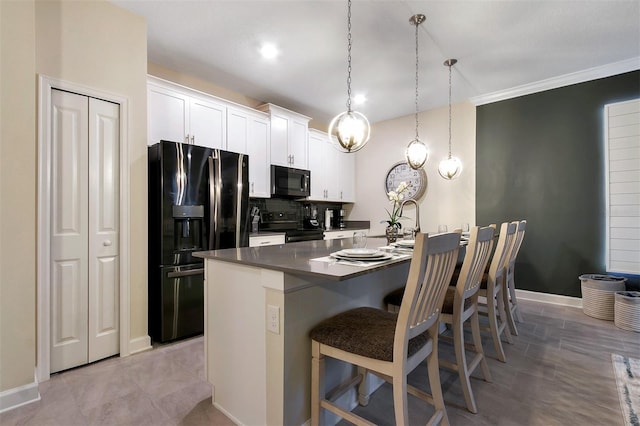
[164,386]
[558,372]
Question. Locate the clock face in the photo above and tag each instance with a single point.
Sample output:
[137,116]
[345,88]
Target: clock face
[402,172]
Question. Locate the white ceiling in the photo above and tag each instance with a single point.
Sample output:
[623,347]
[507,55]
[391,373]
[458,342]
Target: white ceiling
[499,45]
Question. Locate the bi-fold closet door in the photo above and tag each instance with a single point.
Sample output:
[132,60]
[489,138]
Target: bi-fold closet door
[84,287]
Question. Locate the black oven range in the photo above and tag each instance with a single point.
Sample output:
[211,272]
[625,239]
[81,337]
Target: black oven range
[289,223]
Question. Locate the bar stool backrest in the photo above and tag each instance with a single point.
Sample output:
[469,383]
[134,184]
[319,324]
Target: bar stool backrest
[434,259]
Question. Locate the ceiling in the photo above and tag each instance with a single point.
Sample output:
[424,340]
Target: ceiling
[499,45]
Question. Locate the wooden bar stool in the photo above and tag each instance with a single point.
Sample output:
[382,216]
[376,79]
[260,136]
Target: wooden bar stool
[509,294]
[492,288]
[389,345]
[461,304]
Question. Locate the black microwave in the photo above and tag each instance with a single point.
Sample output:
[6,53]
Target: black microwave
[288,182]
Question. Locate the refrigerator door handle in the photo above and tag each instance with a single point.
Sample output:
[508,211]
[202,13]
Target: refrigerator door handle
[179,274]
[239,192]
[214,199]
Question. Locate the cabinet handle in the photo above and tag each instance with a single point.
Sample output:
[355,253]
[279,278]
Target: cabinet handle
[252,187]
[293,159]
[265,242]
[193,140]
[106,243]
[341,195]
[186,139]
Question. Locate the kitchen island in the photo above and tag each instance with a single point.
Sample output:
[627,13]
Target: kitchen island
[260,303]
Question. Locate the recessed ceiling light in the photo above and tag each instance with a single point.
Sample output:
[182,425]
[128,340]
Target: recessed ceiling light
[359,99]
[269,51]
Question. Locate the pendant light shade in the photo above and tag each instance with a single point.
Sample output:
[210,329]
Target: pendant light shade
[350,128]
[450,167]
[417,152]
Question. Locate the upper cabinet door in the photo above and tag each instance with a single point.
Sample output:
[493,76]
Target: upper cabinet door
[208,124]
[259,157]
[237,130]
[289,133]
[298,144]
[347,177]
[317,142]
[168,115]
[280,141]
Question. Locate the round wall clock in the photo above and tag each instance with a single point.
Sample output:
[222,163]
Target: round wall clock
[402,172]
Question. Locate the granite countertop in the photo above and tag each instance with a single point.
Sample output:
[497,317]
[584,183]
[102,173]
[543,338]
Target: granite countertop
[296,258]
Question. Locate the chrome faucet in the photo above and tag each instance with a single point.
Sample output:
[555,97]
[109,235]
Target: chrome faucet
[417,226]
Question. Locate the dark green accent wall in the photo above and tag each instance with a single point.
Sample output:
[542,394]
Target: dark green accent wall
[540,157]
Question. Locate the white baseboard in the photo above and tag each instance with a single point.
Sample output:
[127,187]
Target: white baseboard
[17,397]
[139,344]
[554,299]
[226,413]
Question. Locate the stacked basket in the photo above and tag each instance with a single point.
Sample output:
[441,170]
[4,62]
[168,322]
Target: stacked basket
[627,310]
[598,294]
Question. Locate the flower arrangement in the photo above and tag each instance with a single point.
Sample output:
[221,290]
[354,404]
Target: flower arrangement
[396,197]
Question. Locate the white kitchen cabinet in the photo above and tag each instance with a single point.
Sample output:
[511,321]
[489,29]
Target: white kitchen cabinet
[289,133]
[323,163]
[346,177]
[332,171]
[167,112]
[248,133]
[266,240]
[207,123]
[343,233]
[177,114]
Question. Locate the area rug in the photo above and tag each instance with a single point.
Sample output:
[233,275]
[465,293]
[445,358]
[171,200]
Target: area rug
[627,372]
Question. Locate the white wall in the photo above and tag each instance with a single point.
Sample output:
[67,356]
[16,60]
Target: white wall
[445,202]
[17,194]
[92,43]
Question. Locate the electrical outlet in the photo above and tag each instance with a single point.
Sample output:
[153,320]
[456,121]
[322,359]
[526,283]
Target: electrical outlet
[273,319]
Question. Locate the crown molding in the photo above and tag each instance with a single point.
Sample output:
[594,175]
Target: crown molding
[595,73]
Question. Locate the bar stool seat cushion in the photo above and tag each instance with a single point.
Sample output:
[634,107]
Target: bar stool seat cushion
[364,331]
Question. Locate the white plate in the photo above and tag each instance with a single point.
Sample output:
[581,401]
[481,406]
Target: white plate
[375,255]
[383,256]
[359,252]
[406,243]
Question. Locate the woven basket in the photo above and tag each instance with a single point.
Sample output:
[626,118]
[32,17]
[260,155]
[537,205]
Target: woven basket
[627,310]
[598,294]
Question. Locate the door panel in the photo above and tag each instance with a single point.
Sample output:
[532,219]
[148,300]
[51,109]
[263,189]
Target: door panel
[69,242]
[104,207]
[208,122]
[85,192]
[168,113]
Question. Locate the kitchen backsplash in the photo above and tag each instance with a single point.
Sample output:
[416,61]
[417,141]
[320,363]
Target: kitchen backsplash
[287,204]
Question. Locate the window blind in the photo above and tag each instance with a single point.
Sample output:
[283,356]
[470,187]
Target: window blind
[622,170]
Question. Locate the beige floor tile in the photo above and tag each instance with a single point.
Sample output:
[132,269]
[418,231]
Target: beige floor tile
[558,372]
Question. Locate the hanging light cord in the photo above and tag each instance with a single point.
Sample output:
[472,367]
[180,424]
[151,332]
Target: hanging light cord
[349,56]
[416,24]
[450,108]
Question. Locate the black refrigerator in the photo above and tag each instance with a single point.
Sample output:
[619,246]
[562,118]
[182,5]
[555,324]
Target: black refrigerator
[198,200]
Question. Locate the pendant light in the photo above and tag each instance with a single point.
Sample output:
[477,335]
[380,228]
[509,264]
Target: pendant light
[450,167]
[351,129]
[417,152]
